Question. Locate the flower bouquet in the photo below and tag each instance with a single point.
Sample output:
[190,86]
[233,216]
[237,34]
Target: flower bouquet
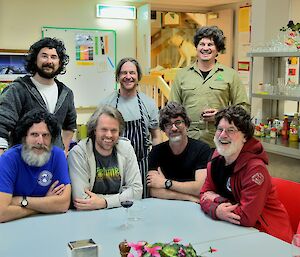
[293,32]
[171,249]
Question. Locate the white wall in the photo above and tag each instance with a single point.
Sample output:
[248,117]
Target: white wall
[21,22]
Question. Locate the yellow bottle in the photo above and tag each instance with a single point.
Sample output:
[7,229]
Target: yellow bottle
[294,126]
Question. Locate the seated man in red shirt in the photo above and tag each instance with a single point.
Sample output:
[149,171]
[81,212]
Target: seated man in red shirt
[238,187]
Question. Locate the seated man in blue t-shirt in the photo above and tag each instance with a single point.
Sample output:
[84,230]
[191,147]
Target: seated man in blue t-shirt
[34,175]
[177,167]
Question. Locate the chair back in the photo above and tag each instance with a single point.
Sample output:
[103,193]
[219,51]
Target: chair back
[289,195]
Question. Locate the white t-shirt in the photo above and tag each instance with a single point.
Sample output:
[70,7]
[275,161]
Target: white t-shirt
[49,94]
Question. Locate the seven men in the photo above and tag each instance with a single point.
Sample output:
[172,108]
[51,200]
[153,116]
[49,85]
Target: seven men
[139,111]
[207,86]
[34,175]
[46,59]
[103,163]
[177,168]
[238,187]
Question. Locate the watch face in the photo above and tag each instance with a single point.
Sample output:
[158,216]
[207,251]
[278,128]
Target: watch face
[168,183]
[24,202]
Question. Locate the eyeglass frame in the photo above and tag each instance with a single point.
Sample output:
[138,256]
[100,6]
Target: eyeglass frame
[229,131]
[177,123]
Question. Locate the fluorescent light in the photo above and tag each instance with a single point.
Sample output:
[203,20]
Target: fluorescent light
[116,12]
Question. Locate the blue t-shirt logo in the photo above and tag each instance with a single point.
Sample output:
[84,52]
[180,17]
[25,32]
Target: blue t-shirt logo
[45,178]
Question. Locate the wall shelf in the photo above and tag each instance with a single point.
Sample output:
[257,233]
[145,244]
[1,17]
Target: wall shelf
[276,97]
[272,103]
[281,147]
[274,54]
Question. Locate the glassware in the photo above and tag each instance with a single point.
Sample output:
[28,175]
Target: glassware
[296,245]
[126,200]
[136,212]
[205,109]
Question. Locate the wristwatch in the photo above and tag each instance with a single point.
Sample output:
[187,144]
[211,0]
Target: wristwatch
[24,202]
[168,183]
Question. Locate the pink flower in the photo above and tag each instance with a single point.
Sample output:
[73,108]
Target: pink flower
[138,247]
[211,250]
[292,34]
[130,255]
[181,252]
[176,239]
[153,250]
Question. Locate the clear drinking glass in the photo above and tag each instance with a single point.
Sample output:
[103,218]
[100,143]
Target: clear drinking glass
[296,245]
[204,108]
[126,200]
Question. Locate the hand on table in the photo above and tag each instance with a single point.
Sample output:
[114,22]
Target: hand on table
[225,212]
[156,179]
[94,202]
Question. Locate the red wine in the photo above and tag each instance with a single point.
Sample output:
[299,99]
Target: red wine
[127,204]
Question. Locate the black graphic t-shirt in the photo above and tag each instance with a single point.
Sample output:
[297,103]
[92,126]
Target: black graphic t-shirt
[108,178]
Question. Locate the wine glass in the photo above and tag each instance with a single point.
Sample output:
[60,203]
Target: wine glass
[126,200]
[296,246]
[204,109]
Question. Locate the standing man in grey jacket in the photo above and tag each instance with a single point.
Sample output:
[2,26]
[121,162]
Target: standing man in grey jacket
[41,90]
[102,164]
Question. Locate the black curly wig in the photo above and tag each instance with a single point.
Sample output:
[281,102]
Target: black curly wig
[30,118]
[48,42]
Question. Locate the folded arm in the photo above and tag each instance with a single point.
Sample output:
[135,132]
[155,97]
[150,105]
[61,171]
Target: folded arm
[10,212]
[188,190]
[57,200]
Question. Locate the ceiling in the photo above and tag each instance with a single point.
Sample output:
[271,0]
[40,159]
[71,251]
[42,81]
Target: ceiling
[183,5]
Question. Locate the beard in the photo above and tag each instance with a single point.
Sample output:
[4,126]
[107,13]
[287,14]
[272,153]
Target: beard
[175,139]
[47,75]
[34,159]
[229,149]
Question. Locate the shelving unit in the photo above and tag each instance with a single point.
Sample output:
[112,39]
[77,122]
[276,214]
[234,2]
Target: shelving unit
[273,103]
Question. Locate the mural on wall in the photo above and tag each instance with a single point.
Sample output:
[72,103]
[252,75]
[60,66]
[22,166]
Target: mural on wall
[172,42]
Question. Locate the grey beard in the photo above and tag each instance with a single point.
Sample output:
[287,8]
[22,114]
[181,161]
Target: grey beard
[175,139]
[33,159]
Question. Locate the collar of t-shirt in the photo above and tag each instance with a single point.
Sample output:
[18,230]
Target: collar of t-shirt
[204,73]
[49,94]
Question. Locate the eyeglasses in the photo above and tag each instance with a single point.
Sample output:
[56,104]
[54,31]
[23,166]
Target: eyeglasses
[177,123]
[228,131]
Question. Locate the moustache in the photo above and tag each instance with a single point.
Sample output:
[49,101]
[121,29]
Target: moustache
[48,66]
[40,147]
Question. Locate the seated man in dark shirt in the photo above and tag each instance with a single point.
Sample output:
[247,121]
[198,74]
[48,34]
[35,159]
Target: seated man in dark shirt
[177,167]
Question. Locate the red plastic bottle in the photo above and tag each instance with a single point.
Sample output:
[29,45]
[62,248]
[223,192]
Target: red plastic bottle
[285,128]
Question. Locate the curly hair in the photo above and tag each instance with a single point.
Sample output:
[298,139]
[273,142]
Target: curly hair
[171,111]
[48,42]
[30,118]
[132,60]
[108,110]
[211,32]
[237,115]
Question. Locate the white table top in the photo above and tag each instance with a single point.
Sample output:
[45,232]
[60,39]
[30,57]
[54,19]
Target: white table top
[48,235]
[250,245]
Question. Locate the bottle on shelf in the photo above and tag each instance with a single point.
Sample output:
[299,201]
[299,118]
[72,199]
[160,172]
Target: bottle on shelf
[294,127]
[273,132]
[285,128]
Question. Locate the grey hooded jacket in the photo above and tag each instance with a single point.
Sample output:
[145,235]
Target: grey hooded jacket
[22,96]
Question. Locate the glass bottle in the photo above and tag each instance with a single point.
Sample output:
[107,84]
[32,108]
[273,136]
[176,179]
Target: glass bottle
[294,126]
